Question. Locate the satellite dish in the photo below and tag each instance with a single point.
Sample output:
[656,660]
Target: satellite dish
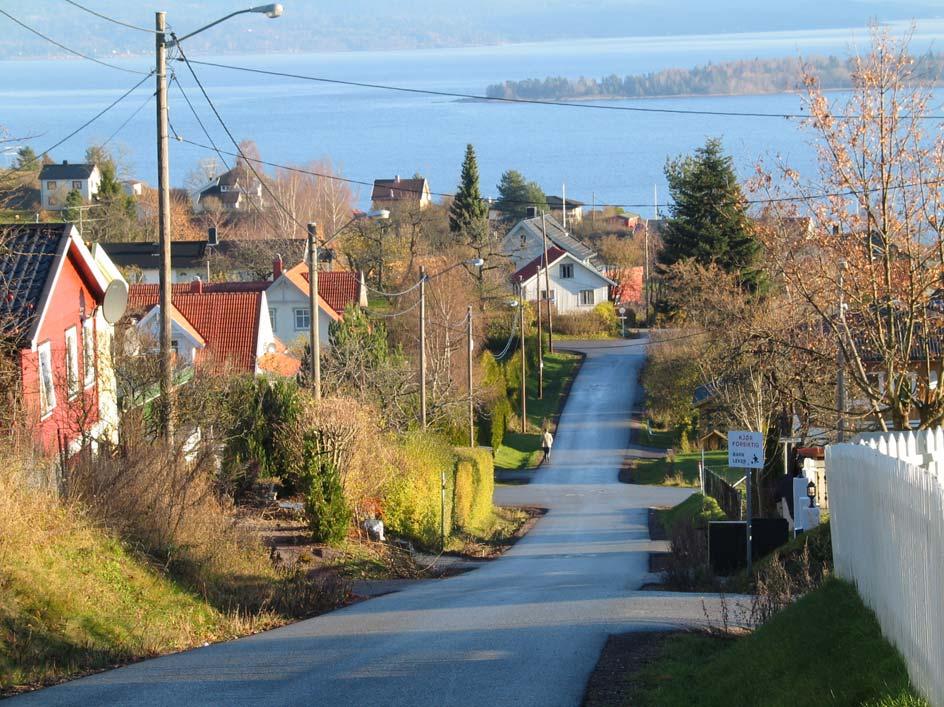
[115,301]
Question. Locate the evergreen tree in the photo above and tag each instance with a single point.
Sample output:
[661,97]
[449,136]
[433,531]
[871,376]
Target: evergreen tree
[114,217]
[72,213]
[468,215]
[708,222]
[516,194]
[26,160]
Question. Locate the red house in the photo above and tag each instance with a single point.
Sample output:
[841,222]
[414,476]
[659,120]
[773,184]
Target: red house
[51,291]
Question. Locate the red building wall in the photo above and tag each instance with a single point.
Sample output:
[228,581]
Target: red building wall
[69,417]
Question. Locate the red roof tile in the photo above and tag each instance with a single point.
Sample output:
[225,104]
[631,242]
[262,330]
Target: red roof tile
[338,288]
[228,321]
[532,268]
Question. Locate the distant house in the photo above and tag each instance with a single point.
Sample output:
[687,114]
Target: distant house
[391,193]
[234,190]
[525,241]
[575,285]
[57,180]
[51,294]
[224,325]
[288,300]
[573,208]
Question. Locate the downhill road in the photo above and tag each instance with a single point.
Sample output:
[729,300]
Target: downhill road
[523,630]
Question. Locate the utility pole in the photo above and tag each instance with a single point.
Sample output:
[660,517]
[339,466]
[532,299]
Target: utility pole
[540,343]
[471,402]
[423,347]
[841,359]
[564,205]
[547,288]
[524,384]
[163,221]
[314,318]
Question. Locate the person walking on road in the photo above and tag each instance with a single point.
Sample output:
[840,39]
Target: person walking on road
[547,441]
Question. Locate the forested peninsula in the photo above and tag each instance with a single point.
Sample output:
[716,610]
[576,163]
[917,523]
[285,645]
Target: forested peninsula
[754,76]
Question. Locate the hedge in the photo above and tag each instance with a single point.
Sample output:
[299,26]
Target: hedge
[474,487]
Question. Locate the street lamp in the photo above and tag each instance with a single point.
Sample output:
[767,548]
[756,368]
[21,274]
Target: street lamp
[162,44]
[811,492]
[314,318]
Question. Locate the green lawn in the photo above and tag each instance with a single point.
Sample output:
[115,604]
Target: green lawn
[827,648]
[523,451]
[695,510]
[659,439]
[684,470]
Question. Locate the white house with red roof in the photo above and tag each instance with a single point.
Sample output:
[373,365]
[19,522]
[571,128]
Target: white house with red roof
[222,325]
[575,285]
[289,306]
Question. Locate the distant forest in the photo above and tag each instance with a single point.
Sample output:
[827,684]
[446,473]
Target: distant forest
[727,78]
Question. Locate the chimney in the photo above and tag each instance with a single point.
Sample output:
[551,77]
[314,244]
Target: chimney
[196,286]
[531,212]
[65,162]
[277,267]
[397,179]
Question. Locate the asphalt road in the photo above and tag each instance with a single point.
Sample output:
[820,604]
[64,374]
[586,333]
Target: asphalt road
[523,630]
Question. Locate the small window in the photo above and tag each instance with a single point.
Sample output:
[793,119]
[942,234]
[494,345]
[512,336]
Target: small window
[53,201]
[566,271]
[51,185]
[302,319]
[77,184]
[175,347]
[586,298]
[47,390]
[88,351]
[273,319]
[72,362]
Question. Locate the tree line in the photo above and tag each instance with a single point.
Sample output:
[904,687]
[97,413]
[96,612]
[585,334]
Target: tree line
[778,75]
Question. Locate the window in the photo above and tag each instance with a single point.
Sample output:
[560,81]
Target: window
[175,347]
[88,351]
[586,298]
[566,271]
[273,319]
[77,184]
[47,391]
[53,201]
[72,362]
[51,185]
[302,319]
[548,297]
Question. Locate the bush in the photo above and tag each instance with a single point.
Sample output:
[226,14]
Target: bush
[326,508]
[497,422]
[601,321]
[480,507]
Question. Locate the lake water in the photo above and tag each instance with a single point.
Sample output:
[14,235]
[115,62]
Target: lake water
[607,156]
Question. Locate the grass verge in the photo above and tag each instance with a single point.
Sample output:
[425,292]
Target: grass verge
[696,510]
[683,471]
[827,648]
[523,450]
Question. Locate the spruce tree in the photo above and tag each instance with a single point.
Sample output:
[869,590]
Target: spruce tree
[516,194]
[708,222]
[468,215]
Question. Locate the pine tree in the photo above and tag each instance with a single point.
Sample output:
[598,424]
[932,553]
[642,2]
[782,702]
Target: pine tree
[708,222]
[468,215]
[26,159]
[516,194]
[72,212]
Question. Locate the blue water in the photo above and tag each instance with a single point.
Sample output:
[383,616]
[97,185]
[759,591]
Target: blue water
[606,156]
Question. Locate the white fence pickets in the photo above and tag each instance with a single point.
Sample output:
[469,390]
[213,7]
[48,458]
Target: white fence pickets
[887,526]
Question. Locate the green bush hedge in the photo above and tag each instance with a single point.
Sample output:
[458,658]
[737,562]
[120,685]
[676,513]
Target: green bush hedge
[412,505]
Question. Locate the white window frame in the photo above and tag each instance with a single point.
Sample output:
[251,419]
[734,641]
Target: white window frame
[273,318]
[304,312]
[51,185]
[566,271]
[73,381]
[88,351]
[588,295]
[77,184]
[47,384]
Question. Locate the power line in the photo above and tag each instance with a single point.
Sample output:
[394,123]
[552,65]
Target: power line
[199,121]
[69,49]
[533,101]
[97,115]
[111,19]
[129,119]
[262,182]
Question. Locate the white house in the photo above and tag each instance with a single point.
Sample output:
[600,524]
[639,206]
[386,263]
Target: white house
[575,286]
[234,190]
[525,241]
[289,308]
[57,180]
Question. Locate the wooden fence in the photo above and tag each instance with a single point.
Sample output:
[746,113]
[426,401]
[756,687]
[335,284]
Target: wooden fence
[887,525]
[728,497]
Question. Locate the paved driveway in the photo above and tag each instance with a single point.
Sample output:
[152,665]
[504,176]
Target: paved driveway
[524,630]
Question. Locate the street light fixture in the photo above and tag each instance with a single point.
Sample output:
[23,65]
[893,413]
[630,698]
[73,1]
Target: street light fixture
[811,492]
[162,43]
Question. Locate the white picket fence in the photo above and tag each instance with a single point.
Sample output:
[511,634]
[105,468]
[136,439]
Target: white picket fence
[887,525]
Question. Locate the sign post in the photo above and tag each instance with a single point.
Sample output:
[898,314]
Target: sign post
[746,451]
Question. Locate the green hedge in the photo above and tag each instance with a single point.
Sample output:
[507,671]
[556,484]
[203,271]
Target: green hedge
[412,506]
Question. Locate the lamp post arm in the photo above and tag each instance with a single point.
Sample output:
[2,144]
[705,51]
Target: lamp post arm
[273,10]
